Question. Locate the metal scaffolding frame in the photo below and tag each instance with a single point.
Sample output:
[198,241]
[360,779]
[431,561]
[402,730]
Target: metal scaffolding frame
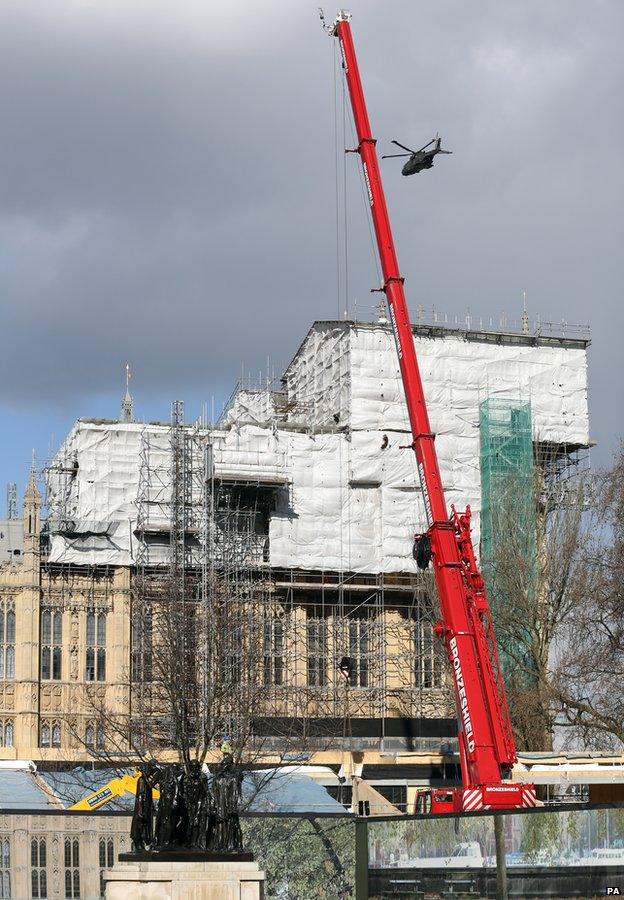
[206,537]
[202,536]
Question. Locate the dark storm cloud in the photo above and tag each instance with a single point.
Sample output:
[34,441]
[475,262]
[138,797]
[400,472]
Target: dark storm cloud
[167,180]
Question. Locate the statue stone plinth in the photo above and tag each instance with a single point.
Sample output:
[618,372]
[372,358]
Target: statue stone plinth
[192,848]
[185,875]
[184,855]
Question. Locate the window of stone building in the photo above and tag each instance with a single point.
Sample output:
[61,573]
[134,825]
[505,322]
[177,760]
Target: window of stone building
[428,671]
[359,644]
[7,640]
[72,868]
[317,651]
[5,866]
[6,732]
[94,736]
[141,639]
[50,733]
[38,868]
[51,644]
[95,669]
[231,672]
[138,738]
[107,860]
[273,651]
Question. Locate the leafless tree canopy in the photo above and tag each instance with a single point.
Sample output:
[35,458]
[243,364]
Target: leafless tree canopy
[555,581]
[198,673]
[588,673]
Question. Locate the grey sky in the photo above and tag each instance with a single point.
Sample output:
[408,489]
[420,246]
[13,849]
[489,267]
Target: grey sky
[167,183]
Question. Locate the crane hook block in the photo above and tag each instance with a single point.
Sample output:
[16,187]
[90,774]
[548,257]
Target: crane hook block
[421,551]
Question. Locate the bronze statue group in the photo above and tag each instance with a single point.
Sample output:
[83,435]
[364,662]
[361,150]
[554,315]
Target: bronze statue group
[193,812]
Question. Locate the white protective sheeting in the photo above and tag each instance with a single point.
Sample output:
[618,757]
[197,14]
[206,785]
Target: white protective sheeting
[349,498]
[102,487]
[457,374]
[256,406]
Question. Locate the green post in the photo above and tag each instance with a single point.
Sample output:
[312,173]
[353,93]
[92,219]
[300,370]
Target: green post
[501,861]
[361,859]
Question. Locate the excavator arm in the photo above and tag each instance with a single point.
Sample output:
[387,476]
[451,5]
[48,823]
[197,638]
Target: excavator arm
[116,787]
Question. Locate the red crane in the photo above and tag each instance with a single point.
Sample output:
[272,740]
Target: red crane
[486,745]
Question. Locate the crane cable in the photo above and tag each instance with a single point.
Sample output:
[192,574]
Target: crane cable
[367,209]
[336,184]
[342,278]
[340,191]
[345,215]
[347,733]
[346,717]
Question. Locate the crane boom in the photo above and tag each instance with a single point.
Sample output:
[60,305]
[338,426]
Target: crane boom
[486,744]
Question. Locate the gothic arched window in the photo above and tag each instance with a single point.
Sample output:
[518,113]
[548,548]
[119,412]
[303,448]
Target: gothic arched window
[51,644]
[7,639]
[95,668]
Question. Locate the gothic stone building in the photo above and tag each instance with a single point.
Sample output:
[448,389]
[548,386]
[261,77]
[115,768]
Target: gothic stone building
[327,504]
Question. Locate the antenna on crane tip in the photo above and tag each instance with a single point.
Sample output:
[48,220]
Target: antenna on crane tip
[328,29]
[343,16]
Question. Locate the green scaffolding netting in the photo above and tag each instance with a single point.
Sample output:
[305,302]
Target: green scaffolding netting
[508,535]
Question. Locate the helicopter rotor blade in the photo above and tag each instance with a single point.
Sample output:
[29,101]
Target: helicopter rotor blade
[394,155]
[409,150]
[427,145]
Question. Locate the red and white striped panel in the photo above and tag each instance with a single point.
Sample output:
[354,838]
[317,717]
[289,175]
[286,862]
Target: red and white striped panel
[529,797]
[473,799]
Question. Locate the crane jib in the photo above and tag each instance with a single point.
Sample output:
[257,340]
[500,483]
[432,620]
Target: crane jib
[345,64]
[368,184]
[397,336]
[461,693]
[487,749]
[425,493]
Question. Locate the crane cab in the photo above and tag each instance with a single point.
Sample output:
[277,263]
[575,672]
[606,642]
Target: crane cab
[436,801]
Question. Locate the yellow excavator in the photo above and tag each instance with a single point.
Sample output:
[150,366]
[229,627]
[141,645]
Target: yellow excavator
[116,787]
[125,784]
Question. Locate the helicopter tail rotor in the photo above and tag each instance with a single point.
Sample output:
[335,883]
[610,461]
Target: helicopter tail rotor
[438,144]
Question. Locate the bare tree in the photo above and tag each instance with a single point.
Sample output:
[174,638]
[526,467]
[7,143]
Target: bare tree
[201,673]
[532,580]
[555,580]
[588,673]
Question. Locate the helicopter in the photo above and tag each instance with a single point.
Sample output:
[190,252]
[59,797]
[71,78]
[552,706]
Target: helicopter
[418,159]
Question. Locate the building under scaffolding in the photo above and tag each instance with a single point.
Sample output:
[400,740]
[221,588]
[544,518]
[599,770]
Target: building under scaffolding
[297,511]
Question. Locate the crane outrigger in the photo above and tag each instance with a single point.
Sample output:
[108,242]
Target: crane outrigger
[486,744]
